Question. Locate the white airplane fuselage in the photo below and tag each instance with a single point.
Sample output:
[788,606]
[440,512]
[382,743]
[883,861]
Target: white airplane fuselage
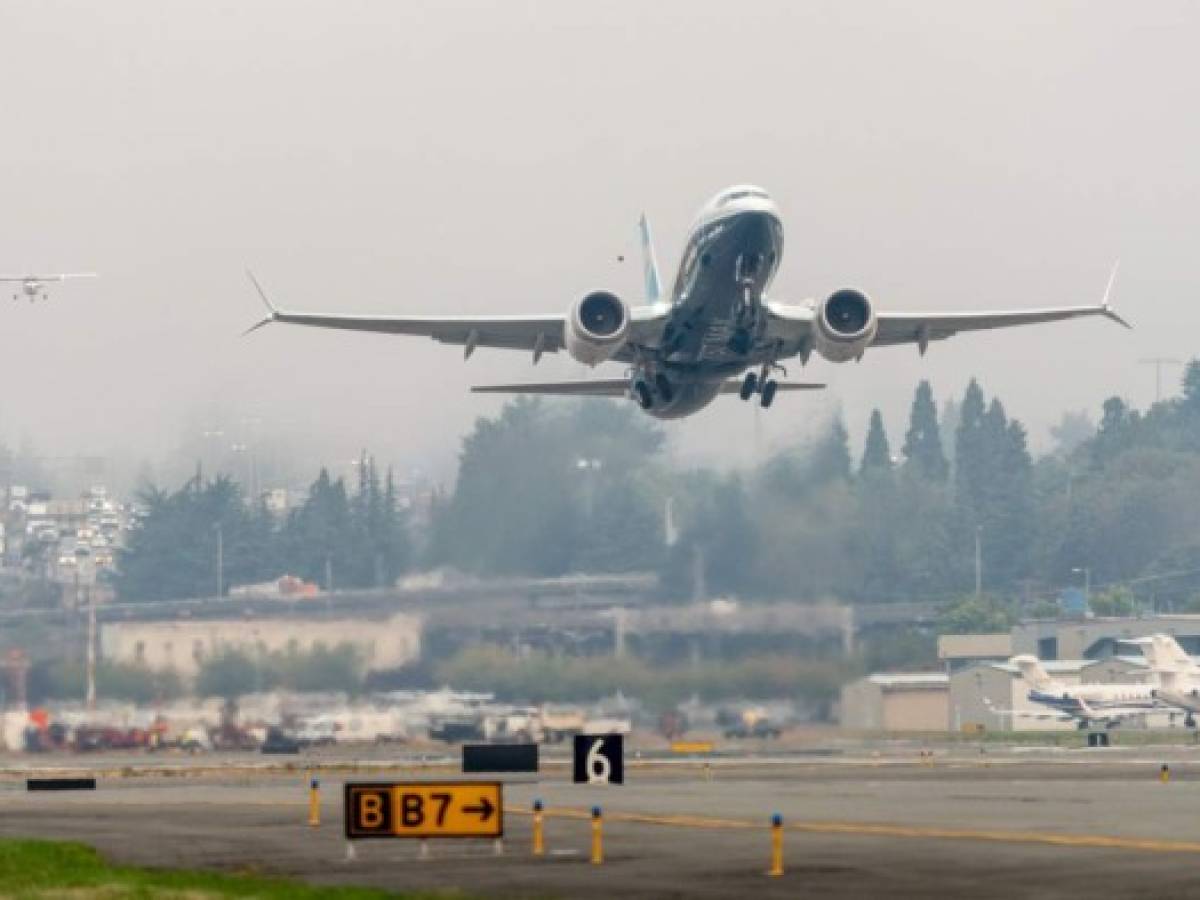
[716,323]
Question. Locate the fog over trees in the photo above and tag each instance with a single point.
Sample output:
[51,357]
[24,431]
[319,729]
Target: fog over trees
[548,488]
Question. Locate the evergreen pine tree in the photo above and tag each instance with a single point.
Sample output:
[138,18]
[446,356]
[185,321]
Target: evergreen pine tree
[923,443]
[877,456]
[830,459]
[970,455]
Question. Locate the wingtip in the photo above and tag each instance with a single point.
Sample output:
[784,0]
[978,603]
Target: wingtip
[261,293]
[1113,315]
[1106,302]
[257,325]
[274,313]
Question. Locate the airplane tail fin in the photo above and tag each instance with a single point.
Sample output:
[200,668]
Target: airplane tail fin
[1172,655]
[1032,671]
[649,263]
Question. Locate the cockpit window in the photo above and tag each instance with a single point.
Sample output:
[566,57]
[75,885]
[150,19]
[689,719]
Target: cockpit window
[739,195]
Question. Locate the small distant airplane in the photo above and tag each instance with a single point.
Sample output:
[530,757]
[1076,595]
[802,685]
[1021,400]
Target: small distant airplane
[717,331]
[1087,705]
[34,286]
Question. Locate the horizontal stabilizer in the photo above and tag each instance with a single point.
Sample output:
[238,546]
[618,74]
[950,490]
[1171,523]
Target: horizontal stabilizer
[614,387]
[734,386]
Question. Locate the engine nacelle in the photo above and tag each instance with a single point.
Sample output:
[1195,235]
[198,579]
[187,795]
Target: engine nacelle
[597,328]
[845,325]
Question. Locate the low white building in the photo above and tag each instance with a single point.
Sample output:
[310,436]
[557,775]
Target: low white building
[183,645]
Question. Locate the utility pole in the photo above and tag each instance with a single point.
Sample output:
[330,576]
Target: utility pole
[978,561]
[1158,362]
[1086,572]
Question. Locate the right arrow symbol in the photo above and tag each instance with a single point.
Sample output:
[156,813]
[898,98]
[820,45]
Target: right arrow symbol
[485,809]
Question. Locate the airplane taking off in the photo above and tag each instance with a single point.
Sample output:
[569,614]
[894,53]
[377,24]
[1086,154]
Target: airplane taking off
[34,286]
[716,333]
[1087,704]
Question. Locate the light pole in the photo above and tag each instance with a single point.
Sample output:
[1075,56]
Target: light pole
[1087,582]
[220,560]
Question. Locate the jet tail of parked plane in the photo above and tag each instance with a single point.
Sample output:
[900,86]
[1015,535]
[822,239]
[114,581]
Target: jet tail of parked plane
[1164,653]
[1033,671]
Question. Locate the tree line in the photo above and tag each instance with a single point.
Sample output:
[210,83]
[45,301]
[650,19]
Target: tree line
[204,538]
[548,488]
[1111,504]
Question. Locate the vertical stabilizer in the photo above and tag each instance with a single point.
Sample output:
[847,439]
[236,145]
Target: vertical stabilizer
[1170,655]
[649,263]
[1033,672]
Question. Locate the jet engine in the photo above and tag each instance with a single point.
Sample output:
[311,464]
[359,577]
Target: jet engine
[845,325]
[597,327]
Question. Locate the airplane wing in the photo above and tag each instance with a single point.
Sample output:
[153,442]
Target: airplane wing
[793,324]
[536,334]
[532,333]
[920,328]
[615,387]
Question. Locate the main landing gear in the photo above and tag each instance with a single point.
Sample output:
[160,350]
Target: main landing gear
[762,384]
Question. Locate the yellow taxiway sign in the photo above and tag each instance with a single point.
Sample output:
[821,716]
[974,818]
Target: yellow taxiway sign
[425,809]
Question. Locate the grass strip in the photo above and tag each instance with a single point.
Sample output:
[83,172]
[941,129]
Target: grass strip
[59,869]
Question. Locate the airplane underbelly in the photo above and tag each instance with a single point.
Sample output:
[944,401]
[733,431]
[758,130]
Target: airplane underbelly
[688,398]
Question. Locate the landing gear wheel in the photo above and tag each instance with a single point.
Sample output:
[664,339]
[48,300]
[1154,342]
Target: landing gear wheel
[768,393]
[749,386]
[641,393]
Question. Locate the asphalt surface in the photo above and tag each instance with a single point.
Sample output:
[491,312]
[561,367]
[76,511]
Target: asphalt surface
[1004,824]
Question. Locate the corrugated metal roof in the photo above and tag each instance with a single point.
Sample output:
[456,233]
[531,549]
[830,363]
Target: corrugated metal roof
[916,679]
[1052,666]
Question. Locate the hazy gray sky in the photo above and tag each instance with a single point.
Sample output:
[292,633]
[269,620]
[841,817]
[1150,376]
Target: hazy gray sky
[494,157]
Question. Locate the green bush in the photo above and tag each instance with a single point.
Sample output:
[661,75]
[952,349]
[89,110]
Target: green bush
[231,672]
[540,677]
[67,680]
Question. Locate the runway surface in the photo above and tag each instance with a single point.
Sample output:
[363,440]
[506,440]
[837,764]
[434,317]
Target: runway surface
[1003,824]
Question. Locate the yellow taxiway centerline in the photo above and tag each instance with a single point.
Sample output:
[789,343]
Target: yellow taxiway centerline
[870,829]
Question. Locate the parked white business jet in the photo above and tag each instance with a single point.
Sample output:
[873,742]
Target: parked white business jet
[1177,673]
[1087,704]
[34,286]
[717,332]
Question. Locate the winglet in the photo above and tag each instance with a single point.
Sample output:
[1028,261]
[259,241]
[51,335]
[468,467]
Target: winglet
[274,313]
[1106,305]
[649,263]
